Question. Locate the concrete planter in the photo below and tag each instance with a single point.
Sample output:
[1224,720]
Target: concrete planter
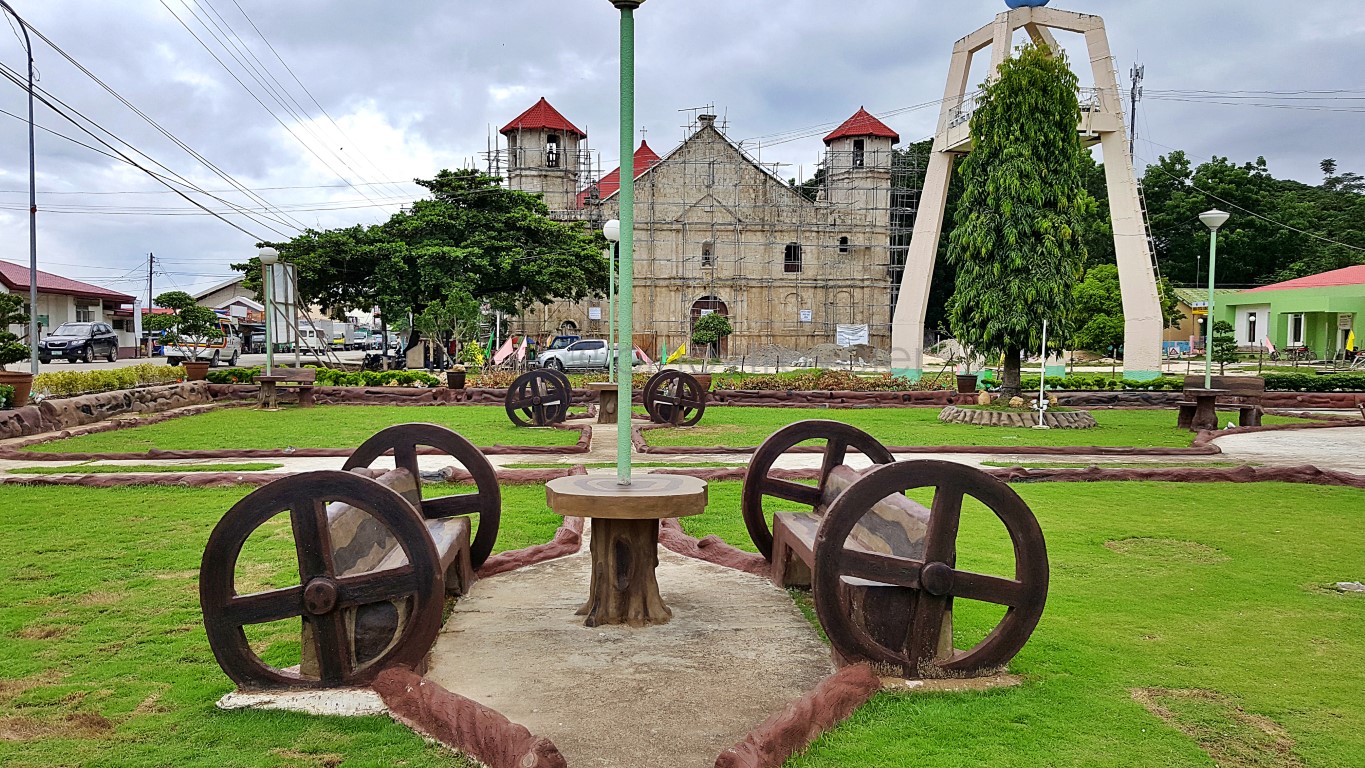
[22,383]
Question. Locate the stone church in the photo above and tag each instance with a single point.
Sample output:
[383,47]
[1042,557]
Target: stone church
[717,231]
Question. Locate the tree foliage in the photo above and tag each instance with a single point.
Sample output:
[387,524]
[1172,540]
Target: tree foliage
[472,240]
[188,325]
[1097,303]
[1224,344]
[710,329]
[12,313]
[1017,241]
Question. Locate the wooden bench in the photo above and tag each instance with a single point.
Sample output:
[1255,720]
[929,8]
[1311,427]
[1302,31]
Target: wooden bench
[1242,392]
[300,379]
[882,568]
[376,561]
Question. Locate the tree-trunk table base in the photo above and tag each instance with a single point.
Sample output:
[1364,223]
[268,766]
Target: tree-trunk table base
[624,546]
[624,589]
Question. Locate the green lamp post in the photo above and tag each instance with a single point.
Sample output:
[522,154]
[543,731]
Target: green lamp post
[625,347]
[1214,220]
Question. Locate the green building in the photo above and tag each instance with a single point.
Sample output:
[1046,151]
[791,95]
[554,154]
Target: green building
[1318,312]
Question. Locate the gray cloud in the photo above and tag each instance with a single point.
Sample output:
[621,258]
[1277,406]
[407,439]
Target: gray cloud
[420,85]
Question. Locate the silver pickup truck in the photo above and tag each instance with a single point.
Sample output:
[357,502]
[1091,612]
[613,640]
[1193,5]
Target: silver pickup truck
[582,355]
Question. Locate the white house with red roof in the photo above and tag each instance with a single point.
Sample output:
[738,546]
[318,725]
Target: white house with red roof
[719,231]
[63,300]
[1319,312]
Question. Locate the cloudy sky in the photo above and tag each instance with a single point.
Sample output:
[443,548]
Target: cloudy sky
[375,94]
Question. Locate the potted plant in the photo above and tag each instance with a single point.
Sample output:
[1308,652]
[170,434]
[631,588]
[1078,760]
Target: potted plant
[707,332]
[189,327]
[12,350]
[455,376]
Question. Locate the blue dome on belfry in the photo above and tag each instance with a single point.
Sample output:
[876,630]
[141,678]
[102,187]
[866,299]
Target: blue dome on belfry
[1026,3]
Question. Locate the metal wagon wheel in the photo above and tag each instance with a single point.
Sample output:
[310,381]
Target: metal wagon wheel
[538,398]
[838,437]
[674,397]
[322,597]
[486,501]
[934,582]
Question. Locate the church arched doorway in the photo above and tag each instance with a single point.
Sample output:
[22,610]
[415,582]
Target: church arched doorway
[705,306]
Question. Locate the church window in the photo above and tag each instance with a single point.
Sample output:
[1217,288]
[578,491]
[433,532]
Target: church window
[708,254]
[843,245]
[791,261]
[859,151]
[552,151]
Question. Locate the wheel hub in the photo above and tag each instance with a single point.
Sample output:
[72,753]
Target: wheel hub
[936,579]
[321,596]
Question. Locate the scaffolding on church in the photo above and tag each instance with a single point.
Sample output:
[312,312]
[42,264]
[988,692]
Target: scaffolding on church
[789,260]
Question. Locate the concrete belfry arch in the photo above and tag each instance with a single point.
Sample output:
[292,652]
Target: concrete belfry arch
[1101,122]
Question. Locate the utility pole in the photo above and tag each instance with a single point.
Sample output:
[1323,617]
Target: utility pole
[151,260]
[1137,73]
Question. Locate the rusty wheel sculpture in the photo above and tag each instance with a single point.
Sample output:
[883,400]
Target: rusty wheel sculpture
[838,437]
[538,398]
[674,397]
[486,501]
[913,642]
[323,598]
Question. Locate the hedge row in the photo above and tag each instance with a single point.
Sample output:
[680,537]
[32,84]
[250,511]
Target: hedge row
[1310,382]
[72,383]
[330,377]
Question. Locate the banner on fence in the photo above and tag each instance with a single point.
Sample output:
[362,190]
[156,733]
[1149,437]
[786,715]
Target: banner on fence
[849,335]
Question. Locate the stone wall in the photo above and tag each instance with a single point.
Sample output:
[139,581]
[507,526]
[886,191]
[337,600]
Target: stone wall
[56,414]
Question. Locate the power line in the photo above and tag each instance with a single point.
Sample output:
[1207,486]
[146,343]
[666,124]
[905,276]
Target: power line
[157,126]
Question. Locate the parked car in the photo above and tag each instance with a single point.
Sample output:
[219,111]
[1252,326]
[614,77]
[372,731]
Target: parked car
[582,355]
[79,341]
[228,350]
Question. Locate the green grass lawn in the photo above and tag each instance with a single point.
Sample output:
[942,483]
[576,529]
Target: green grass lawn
[1185,587]
[324,426]
[741,426]
[1175,587]
[103,658]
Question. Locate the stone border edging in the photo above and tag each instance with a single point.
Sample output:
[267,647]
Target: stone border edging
[11,453]
[799,723]
[1304,474]
[260,477]
[463,724]
[568,539]
[712,549]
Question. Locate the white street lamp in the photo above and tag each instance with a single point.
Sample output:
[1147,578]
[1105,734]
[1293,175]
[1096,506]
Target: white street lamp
[268,257]
[1214,220]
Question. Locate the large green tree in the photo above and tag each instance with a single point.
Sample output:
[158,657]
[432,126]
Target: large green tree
[472,240]
[1017,241]
[1097,303]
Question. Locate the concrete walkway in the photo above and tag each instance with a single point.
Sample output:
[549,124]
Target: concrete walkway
[1341,449]
[671,696]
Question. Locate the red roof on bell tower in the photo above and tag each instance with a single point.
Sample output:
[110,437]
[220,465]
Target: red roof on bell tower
[542,115]
[863,124]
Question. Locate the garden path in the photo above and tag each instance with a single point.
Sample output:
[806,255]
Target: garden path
[1341,448]
[671,696]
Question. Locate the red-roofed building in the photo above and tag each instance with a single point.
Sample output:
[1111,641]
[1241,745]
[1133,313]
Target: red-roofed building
[63,300]
[645,158]
[545,155]
[863,125]
[1318,311]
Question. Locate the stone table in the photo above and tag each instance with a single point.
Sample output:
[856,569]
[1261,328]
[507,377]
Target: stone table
[625,539]
[1205,413]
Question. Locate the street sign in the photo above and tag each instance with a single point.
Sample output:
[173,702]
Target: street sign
[807,315]
[594,313]
[1344,321]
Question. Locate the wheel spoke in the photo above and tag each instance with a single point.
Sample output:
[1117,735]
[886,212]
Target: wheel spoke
[450,506]
[333,649]
[263,607]
[786,489]
[926,628]
[989,589]
[522,404]
[940,540]
[886,569]
[405,457]
[835,451]
[377,586]
[312,537]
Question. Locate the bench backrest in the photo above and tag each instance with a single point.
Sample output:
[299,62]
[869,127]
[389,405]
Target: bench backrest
[894,526]
[1237,386]
[300,375]
[359,541]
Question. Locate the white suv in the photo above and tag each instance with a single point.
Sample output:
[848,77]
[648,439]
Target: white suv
[225,350]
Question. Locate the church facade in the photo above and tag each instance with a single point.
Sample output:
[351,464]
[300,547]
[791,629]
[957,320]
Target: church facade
[716,231]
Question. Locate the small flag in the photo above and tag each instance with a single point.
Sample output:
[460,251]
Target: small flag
[503,352]
[1351,340]
[521,351]
[677,353]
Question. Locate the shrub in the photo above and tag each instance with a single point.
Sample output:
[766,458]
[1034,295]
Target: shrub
[1309,382]
[812,379]
[72,383]
[6,396]
[234,375]
[331,377]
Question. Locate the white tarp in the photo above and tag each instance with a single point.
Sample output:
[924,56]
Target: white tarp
[849,335]
[284,303]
